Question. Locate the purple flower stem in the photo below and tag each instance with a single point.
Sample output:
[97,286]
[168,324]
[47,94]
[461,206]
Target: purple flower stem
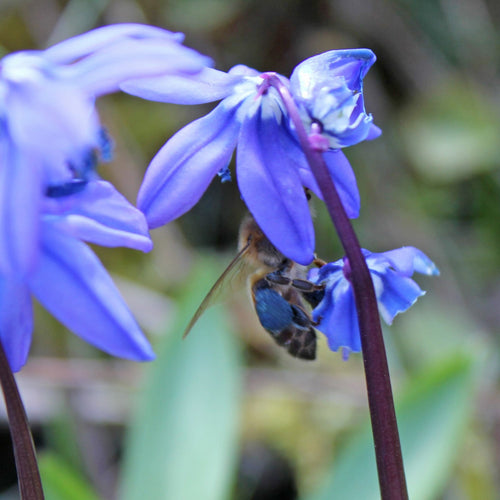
[378,383]
[30,484]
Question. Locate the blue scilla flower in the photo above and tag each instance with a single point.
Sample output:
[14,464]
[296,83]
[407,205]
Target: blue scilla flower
[395,291]
[329,91]
[70,281]
[271,168]
[49,129]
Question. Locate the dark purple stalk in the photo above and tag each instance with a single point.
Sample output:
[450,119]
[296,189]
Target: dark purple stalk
[383,417]
[30,484]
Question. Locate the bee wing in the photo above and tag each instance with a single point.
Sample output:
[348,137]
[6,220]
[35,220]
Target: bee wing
[231,270]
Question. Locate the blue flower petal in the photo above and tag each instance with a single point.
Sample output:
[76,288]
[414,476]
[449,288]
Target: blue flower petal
[373,133]
[92,231]
[272,188]
[74,286]
[329,90]
[318,71]
[406,260]
[181,171]
[206,86]
[58,135]
[395,291]
[397,294]
[345,181]
[242,70]
[81,45]
[342,175]
[16,321]
[103,71]
[295,157]
[337,317]
[20,198]
[100,214]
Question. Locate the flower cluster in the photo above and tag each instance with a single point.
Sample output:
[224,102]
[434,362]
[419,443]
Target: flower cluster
[395,291]
[51,199]
[50,135]
[271,168]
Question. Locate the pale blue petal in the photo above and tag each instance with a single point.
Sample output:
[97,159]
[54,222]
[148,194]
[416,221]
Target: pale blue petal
[92,231]
[328,88]
[206,86]
[182,170]
[242,70]
[318,71]
[345,181]
[103,71]
[56,123]
[73,285]
[407,260]
[295,157]
[338,318]
[272,188]
[397,294]
[20,198]
[16,321]
[340,170]
[100,214]
[423,264]
[373,133]
[338,166]
[82,45]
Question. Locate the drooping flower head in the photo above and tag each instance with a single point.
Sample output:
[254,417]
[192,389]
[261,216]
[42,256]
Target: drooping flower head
[271,168]
[70,281]
[50,133]
[51,200]
[329,90]
[395,291]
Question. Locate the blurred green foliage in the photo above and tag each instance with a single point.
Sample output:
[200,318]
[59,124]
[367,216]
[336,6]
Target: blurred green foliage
[207,417]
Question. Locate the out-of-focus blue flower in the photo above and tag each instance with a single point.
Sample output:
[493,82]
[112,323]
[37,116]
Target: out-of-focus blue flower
[70,281]
[271,168]
[395,291]
[50,133]
[329,90]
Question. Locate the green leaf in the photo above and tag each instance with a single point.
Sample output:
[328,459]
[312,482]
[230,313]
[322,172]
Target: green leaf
[61,482]
[432,415]
[183,441]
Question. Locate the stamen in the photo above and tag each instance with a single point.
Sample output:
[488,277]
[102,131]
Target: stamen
[264,86]
[105,145]
[66,189]
[224,174]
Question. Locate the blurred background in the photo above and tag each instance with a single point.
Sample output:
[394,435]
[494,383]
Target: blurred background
[226,414]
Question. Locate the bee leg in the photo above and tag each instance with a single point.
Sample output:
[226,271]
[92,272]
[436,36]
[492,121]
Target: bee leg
[306,285]
[318,262]
[279,277]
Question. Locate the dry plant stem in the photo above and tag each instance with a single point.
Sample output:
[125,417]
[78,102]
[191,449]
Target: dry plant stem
[383,417]
[30,484]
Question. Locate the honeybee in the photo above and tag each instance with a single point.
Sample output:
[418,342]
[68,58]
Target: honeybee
[278,288]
